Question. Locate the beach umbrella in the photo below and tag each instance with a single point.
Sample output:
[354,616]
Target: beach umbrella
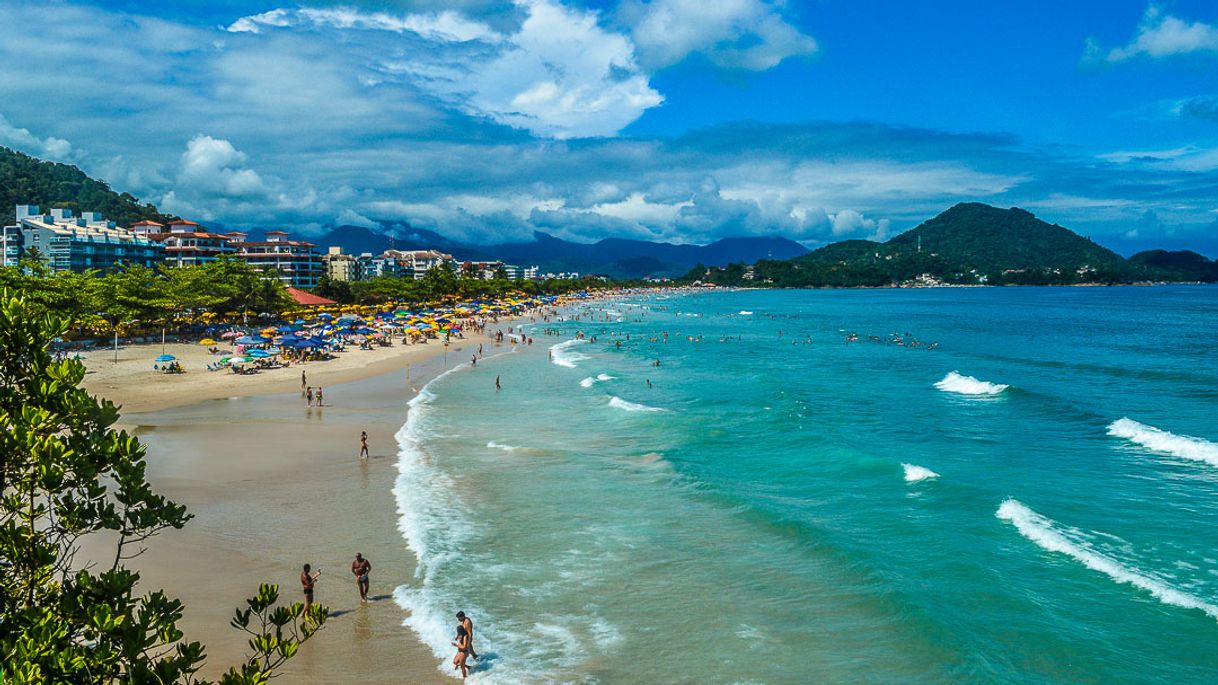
[165,358]
[325,316]
[207,341]
[234,360]
[260,354]
[272,351]
[252,340]
[230,334]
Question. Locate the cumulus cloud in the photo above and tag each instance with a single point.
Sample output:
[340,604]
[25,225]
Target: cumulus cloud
[1159,35]
[211,165]
[50,147]
[559,74]
[737,34]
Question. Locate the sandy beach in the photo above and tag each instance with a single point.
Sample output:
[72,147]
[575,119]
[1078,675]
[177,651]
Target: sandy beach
[131,383]
[273,484]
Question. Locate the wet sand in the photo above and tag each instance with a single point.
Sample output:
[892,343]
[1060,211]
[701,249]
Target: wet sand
[273,484]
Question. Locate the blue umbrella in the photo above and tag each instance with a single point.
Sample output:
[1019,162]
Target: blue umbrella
[260,354]
[272,350]
[299,322]
[251,340]
[325,316]
[166,358]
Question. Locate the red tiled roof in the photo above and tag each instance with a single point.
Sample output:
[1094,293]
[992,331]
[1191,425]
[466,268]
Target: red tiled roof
[146,222]
[308,299]
[182,222]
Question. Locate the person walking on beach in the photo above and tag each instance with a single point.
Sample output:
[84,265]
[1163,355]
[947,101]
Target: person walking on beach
[363,444]
[465,622]
[307,580]
[319,395]
[360,568]
[304,382]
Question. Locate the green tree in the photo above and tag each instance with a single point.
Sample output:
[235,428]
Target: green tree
[66,474]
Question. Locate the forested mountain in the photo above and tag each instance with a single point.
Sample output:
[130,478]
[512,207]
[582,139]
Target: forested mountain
[970,243]
[26,180]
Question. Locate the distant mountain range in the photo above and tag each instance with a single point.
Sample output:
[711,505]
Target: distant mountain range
[614,257]
[970,243]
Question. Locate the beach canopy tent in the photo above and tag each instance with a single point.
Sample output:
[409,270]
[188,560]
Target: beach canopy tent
[304,299]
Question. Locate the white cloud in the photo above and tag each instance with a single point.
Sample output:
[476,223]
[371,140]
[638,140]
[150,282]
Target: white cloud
[738,34]
[1160,35]
[1186,158]
[52,148]
[559,74]
[441,26]
[849,223]
[211,165]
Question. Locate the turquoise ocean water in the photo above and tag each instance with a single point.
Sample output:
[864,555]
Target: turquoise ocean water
[774,510]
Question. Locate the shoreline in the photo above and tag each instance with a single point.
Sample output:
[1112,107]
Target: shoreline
[271,486]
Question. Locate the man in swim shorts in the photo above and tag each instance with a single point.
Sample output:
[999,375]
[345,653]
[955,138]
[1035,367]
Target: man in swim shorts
[360,568]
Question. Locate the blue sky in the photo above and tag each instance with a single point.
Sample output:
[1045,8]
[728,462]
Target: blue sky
[679,120]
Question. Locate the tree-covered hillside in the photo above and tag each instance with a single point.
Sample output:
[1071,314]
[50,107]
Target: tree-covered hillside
[969,244]
[25,180]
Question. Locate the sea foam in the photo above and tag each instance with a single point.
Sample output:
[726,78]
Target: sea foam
[599,378]
[1050,536]
[624,405]
[435,524]
[1163,442]
[915,473]
[967,385]
[562,354]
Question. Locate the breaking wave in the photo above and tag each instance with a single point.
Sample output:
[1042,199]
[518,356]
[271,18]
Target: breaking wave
[1048,535]
[1163,442]
[914,473]
[622,404]
[967,385]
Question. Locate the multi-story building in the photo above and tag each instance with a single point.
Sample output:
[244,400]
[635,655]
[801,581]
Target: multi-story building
[416,263]
[295,262]
[69,243]
[186,242]
[344,267]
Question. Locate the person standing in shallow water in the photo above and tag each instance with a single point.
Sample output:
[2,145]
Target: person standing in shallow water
[307,581]
[465,622]
[360,568]
[363,444]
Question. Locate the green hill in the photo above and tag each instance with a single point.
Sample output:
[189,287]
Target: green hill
[969,244]
[1184,265]
[991,239]
[25,180]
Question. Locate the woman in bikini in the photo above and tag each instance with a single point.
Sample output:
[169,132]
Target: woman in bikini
[462,645]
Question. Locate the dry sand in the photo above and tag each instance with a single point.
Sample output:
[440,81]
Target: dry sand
[273,484]
[133,384]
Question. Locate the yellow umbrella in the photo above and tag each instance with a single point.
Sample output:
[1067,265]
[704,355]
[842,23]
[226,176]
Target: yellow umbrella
[207,341]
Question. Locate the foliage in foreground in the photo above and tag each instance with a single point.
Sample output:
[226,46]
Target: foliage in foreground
[66,474]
